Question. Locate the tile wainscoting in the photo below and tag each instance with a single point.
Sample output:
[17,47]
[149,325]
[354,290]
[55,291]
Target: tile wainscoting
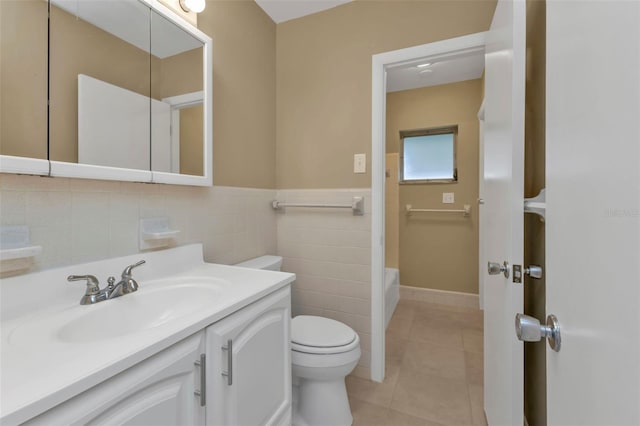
[77,220]
[330,252]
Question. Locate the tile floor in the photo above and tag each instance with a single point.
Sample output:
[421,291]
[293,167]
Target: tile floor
[433,370]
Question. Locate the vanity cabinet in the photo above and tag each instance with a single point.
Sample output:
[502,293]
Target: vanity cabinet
[158,391]
[248,377]
[249,365]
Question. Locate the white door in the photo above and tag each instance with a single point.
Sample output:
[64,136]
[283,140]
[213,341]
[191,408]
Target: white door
[593,211]
[482,262]
[503,195]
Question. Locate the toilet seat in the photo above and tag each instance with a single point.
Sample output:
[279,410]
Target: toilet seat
[322,336]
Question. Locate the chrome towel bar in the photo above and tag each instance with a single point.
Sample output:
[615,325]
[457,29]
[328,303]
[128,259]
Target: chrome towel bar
[357,205]
[466,210]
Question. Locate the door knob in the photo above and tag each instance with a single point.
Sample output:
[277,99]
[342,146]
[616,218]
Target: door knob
[534,271]
[528,329]
[494,268]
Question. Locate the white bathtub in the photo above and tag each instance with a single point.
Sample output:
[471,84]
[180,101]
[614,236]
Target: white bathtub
[391,293]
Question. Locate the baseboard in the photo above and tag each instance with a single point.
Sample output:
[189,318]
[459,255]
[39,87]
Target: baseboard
[441,297]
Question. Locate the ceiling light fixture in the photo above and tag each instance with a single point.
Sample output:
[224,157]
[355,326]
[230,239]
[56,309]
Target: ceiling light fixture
[195,6]
[425,71]
[424,65]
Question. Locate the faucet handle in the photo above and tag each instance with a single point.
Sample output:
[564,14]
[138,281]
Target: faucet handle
[92,294]
[127,271]
[93,286]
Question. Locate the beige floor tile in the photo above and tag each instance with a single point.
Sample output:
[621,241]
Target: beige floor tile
[473,340]
[432,398]
[396,348]
[373,392]
[400,323]
[437,331]
[477,405]
[433,359]
[366,414]
[474,368]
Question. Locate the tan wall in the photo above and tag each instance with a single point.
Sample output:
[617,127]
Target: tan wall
[23,79]
[391,218]
[324,80]
[534,236]
[244,93]
[191,141]
[439,251]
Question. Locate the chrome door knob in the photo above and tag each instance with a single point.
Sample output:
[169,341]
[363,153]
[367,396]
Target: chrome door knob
[528,329]
[534,271]
[494,268]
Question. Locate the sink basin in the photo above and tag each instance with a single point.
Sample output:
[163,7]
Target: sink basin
[153,305]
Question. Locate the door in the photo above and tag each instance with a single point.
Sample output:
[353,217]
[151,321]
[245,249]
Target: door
[593,211]
[249,365]
[503,210]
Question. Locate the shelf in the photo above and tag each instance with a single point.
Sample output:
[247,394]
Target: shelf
[19,253]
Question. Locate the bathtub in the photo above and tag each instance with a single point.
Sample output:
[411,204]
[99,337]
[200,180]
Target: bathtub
[391,293]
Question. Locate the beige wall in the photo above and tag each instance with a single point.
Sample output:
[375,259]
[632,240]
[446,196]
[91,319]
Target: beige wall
[391,212]
[324,80]
[534,235]
[23,79]
[244,93]
[439,251]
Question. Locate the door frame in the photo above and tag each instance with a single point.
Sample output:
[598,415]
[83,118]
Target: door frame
[380,63]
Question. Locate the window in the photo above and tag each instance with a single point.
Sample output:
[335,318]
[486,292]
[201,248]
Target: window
[428,155]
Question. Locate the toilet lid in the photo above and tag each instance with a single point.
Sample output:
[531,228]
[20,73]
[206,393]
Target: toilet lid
[319,332]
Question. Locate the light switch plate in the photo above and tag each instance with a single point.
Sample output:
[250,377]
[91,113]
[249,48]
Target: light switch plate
[448,198]
[360,163]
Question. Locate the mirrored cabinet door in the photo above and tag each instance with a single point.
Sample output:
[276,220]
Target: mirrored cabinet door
[23,78]
[100,83]
[177,91]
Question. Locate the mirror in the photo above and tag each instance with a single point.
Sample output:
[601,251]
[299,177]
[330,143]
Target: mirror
[23,79]
[129,91]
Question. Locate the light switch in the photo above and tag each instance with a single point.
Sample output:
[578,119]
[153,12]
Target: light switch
[360,163]
[448,198]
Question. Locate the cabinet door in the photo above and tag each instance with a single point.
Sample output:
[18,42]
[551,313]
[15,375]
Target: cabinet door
[157,391]
[249,365]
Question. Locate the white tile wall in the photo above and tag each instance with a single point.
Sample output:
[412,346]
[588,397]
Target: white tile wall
[77,220]
[330,252]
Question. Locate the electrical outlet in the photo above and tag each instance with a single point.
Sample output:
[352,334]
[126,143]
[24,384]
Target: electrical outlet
[448,198]
[360,163]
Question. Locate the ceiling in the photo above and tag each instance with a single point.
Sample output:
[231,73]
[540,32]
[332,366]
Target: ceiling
[286,10]
[451,69]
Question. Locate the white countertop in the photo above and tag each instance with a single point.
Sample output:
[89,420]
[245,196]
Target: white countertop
[42,371]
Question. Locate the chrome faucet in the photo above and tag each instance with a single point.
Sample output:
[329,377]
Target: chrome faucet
[94,294]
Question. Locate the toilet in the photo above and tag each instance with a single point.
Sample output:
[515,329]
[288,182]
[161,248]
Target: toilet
[323,352]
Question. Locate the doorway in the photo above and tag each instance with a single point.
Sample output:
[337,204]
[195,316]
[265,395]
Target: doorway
[381,65]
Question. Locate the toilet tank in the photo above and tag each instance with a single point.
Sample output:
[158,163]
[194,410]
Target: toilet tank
[271,263]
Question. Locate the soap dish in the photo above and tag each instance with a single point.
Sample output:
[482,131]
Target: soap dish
[155,233]
[16,251]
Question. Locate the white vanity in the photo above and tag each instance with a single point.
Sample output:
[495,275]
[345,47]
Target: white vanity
[197,343]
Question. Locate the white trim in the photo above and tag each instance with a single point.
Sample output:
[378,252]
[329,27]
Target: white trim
[186,100]
[24,165]
[440,297]
[380,63]
[91,171]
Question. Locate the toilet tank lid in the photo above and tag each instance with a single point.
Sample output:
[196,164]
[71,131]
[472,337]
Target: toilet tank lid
[321,332]
[263,262]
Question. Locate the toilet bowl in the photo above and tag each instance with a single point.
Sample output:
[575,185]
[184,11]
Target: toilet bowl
[323,352]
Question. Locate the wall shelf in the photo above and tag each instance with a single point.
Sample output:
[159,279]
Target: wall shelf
[155,233]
